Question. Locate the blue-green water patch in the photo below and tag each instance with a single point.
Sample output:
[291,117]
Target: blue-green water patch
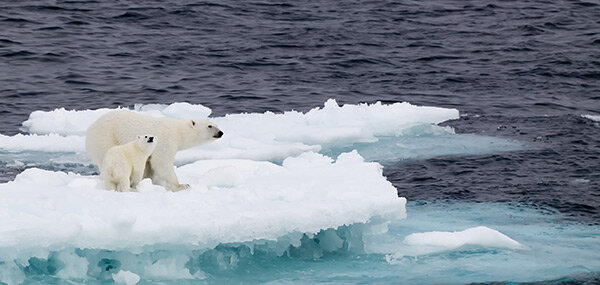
[424,142]
[377,252]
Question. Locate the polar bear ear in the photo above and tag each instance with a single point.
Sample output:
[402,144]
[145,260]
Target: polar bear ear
[192,123]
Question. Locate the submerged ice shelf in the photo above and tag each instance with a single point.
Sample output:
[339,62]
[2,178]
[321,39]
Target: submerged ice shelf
[522,244]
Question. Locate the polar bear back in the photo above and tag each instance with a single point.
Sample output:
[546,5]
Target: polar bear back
[123,126]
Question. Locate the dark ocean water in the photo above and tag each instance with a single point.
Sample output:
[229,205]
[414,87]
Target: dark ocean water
[524,70]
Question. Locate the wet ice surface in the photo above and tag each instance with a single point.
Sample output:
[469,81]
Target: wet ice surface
[228,201]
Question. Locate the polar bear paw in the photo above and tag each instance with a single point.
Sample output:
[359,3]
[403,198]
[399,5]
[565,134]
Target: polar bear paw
[179,187]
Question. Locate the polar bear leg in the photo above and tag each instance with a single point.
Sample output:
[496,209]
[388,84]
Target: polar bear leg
[123,185]
[136,176]
[148,173]
[163,173]
[109,184]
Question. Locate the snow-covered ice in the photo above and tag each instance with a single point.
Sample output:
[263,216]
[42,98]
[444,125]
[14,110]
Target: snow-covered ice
[229,201]
[328,123]
[381,132]
[265,136]
[46,143]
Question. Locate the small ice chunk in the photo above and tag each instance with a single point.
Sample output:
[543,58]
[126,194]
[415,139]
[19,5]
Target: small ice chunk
[595,118]
[481,236]
[126,277]
[184,110]
[419,244]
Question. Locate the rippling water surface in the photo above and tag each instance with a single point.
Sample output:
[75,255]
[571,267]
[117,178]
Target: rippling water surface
[524,70]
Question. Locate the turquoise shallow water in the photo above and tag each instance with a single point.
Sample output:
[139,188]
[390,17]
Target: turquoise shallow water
[552,249]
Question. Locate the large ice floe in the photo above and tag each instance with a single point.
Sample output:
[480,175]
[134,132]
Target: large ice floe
[385,133]
[229,201]
[289,186]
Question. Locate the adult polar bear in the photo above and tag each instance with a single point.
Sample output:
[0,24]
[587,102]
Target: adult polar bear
[172,135]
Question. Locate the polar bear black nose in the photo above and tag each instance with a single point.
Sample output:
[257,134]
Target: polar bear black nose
[218,135]
[150,139]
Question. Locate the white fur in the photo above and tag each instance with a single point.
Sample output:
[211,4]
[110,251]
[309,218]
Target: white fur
[123,165]
[122,126]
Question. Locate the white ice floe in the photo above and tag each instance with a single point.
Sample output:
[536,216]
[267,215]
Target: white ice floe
[595,118]
[126,277]
[43,143]
[229,201]
[264,136]
[331,122]
[418,244]
[62,121]
[76,122]
[179,110]
[479,236]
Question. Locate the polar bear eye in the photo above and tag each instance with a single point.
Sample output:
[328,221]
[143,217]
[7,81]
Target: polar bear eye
[210,126]
[193,123]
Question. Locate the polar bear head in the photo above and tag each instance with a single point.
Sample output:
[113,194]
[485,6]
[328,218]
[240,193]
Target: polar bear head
[147,143]
[204,131]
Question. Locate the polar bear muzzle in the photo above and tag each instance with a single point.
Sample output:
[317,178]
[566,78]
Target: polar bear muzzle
[149,138]
[218,133]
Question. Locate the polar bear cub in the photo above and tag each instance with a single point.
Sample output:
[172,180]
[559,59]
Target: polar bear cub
[123,165]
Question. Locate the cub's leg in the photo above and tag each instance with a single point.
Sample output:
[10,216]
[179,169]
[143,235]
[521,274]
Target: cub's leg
[137,175]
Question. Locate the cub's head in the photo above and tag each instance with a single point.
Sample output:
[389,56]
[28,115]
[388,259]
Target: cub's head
[146,143]
[204,131]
